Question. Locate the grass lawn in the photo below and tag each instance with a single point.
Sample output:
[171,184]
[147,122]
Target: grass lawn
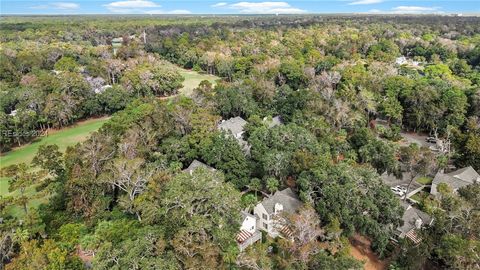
[420,196]
[63,138]
[70,136]
[35,199]
[424,180]
[3,186]
[193,79]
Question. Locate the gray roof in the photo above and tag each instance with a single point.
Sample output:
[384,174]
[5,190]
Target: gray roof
[275,121]
[409,217]
[457,179]
[287,198]
[234,125]
[197,164]
[245,214]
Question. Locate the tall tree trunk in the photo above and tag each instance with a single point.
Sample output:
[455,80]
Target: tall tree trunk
[408,187]
[25,209]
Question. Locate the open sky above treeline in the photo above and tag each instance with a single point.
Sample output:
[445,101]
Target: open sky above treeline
[237,7]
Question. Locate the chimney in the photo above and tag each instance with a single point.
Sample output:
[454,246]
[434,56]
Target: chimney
[418,223]
[278,208]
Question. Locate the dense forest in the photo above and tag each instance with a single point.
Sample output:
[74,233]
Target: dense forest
[122,200]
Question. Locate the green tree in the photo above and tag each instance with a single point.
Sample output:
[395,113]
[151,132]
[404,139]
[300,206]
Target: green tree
[348,192]
[46,255]
[467,145]
[21,177]
[223,152]
[417,161]
[203,212]
[293,73]
[380,154]
[66,63]
[159,80]
[49,158]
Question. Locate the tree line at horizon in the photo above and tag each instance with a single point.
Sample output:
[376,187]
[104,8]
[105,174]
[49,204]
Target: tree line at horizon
[122,197]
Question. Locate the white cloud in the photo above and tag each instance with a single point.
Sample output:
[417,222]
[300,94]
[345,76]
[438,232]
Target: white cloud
[409,10]
[65,5]
[262,7]
[141,6]
[40,7]
[221,4]
[415,10]
[58,5]
[175,11]
[130,6]
[365,2]
[179,11]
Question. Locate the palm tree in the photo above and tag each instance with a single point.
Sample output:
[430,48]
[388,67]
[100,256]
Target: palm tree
[272,184]
[255,185]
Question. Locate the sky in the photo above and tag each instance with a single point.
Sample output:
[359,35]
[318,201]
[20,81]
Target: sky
[66,7]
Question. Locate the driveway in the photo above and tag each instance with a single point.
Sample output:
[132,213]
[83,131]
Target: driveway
[392,181]
[410,138]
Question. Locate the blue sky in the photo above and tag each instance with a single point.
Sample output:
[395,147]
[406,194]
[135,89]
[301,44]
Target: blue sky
[235,7]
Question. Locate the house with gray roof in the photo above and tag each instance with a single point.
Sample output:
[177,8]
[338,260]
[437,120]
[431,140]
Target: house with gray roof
[266,217]
[268,210]
[456,179]
[197,164]
[413,220]
[235,126]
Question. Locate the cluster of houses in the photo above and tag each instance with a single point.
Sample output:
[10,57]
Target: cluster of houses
[413,218]
[266,214]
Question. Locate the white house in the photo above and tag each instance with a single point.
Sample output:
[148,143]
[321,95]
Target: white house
[266,218]
[233,126]
[267,211]
[249,233]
